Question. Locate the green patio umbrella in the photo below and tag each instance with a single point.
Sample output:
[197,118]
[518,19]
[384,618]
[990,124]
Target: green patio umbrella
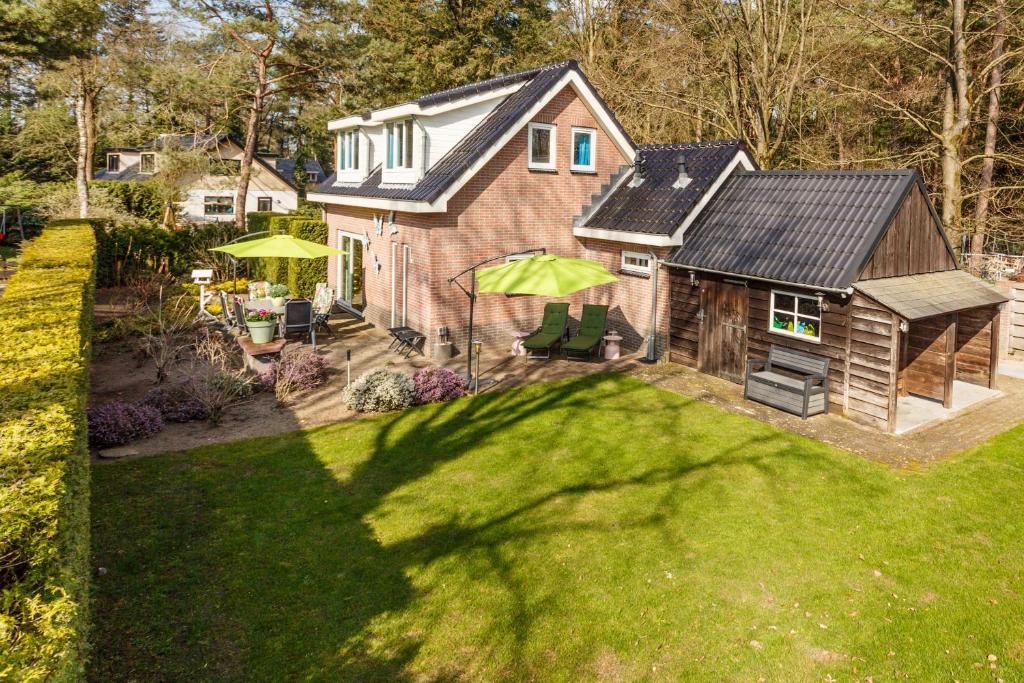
[543,275]
[282,246]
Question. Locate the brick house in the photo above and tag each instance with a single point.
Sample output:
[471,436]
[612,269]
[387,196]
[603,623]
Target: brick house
[534,159]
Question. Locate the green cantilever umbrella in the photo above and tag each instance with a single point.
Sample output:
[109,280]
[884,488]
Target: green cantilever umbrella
[282,246]
[543,275]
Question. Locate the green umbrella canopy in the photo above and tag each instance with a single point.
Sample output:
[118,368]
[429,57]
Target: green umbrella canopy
[283,246]
[543,275]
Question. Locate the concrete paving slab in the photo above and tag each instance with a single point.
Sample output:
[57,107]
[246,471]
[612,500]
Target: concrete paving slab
[915,411]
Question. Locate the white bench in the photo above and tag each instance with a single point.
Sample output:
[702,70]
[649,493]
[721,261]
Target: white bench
[804,395]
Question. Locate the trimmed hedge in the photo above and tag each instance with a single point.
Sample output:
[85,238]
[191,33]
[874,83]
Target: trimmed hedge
[140,198]
[46,315]
[276,269]
[258,221]
[303,274]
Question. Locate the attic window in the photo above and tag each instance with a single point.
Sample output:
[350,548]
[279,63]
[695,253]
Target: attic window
[399,147]
[796,315]
[583,152]
[541,146]
[147,162]
[113,163]
[348,150]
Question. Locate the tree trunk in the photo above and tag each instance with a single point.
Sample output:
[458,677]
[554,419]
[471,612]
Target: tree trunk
[81,168]
[991,134]
[252,129]
[89,109]
[956,117]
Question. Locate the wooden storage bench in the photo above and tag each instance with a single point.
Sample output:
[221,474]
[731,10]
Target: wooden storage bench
[804,395]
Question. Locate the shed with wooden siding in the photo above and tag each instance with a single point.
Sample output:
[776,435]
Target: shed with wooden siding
[853,266]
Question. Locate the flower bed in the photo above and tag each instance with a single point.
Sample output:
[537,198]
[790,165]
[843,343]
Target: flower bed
[46,315]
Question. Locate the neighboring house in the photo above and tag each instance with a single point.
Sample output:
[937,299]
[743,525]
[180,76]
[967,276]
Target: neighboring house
[210,197]
[715,257]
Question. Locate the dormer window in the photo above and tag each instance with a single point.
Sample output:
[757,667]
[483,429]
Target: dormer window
[113,163]
[147,162]
[348,150]
[541,146]
[583,157]
[399,144]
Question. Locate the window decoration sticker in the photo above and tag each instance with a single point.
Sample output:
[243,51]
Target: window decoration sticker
[391,223]
[378,224]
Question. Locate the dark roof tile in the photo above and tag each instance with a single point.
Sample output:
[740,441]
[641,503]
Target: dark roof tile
[656,206]
[812,228]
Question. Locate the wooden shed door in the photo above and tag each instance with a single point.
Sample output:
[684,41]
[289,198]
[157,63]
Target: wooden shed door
[723,331]
[927,361]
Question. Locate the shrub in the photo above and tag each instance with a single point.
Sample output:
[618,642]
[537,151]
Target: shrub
[117,423]
[46,314]
[296,371]
[140,198]
[438,384]
[176,404]
[380,391]
[277,290]
[304,273]
[276,269]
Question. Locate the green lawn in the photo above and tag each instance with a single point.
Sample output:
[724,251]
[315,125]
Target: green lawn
[593,529]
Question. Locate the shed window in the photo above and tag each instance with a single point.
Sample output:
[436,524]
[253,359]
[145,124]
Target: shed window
[636,262]
[796,315]
[583,149]
[218,206]
[541,143]
[147,162]
[113,163]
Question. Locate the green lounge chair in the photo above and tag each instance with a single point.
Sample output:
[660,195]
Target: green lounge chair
[552,331]
[593,325]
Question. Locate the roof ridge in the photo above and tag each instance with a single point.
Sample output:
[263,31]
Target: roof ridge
[494,81]
[831,172]
[689,145]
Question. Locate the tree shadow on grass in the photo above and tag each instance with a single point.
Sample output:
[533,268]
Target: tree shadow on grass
[269,565]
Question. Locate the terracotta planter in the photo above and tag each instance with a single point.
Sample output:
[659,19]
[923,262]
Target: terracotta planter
[261,331]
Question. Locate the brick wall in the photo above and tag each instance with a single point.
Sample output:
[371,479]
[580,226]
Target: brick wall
[503,208]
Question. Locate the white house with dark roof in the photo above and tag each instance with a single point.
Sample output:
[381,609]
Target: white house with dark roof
[210,196]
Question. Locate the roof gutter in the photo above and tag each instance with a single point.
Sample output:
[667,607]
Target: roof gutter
[834,290]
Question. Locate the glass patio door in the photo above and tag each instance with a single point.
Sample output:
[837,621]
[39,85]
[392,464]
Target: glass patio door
[350,272]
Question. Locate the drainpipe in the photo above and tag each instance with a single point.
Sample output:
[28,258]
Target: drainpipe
[652,340]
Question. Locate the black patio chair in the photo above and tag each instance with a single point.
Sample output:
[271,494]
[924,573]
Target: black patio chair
[225,308]
[298,317]
[236,305]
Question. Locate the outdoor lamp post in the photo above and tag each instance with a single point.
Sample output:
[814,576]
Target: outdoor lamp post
[477,344]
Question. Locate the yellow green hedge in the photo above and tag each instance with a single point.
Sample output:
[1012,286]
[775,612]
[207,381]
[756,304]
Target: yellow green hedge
[46,317]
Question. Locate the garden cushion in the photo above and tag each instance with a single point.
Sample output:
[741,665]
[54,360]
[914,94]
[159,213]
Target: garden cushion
[593,324]
[552,327]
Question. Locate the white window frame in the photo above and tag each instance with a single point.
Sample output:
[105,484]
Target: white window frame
[816,339]
[592,166]
[114,170]
[348,150]
[142,159]
[552,147]
[406,145]
[207,203]
[632,268]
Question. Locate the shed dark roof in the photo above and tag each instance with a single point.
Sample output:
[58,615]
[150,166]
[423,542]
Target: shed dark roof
[811,228]
[923,296]
[485,135]
[657,206]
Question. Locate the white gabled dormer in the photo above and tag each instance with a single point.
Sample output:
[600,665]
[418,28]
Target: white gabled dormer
[352,155]
[402,152]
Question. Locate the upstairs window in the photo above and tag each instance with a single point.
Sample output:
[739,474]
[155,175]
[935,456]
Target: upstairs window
[147,162]
[348,151]
[399,144]
[113,163]
[636,262]
[583,158]
[796,315]
[541,146]
[312,177]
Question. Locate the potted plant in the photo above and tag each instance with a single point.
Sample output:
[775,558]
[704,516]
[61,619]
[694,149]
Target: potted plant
[261,325]
[277,294]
